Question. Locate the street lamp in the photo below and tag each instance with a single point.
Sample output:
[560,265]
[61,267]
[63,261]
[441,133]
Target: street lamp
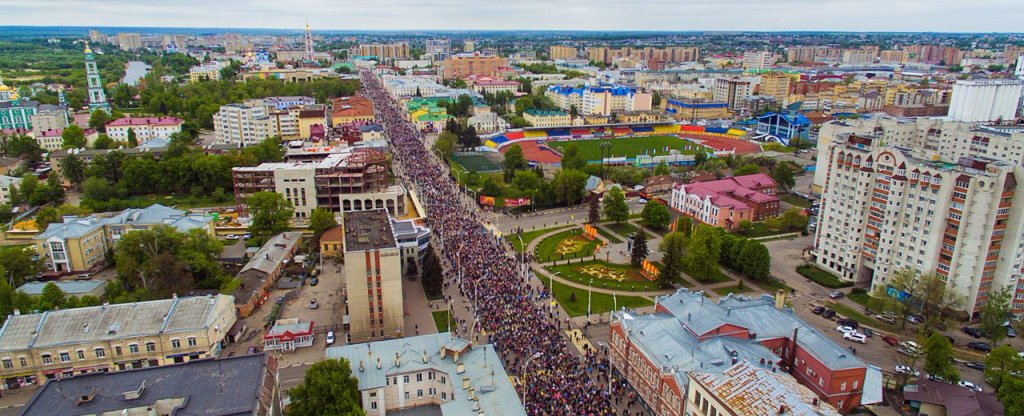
[522,261]
[606,147]
[525,365]
[590,286]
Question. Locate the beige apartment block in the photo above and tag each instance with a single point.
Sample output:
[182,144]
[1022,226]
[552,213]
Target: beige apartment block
[373,261]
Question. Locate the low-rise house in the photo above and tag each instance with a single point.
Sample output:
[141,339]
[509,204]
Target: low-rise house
[64,343]
[144,128]
[288,334]
[487,123]
[243,385]
[261,272]
[928,397]
[332,241]
[727,202]
[76,288]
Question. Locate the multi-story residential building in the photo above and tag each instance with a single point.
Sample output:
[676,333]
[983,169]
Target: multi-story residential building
[196,388]
[78,244]
[893,57]
[464,65]
[241,124]
[468,46]
[688,335]
[209,71]
[351,109]
[746,389]
[53,140]
[542,118]
[563,52]
[858,56]
[8,185]
[58,344]
[888,207]
[438,374]
[672,54]
[437,49]
[775,85]
[252,121]
[145,128]
[758,61]
[49,117]
[986,99]
[96,36]
[487,123]
[696,109]
[353,179]
[289,74]
[600,100]
[385,51]
[732,90]
[726,202]
[372,257]
[129,41]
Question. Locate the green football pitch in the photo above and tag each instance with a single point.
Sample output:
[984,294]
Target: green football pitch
[477,163]
[630,147]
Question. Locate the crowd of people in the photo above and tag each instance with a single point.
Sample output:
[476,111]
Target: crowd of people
[526,335]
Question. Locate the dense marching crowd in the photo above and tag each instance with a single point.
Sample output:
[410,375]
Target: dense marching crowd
[559,382]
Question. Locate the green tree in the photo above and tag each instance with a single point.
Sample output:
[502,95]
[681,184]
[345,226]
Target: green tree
[321,220]
[19,265]
[745,227]
[639,251]
[73,137]
[104,142]
[783,176]
[1011,395]
[994,314]
[754,260]
[98,120]
[72,168]
[52,297]
[490,188]
[656,215]
[938,358]
[46,216]
[271,214]
[684,225]
[98,189]
[572,158]
[526,180]
[433,275]
[702,251]
[794,219]
[268,150]
[662,169]
[594,212]
[133,139]
[748,169]
[328,388]
[1001,364]
[615,207]
[514,159]
[699,158]
[672,249]
[445,143]
[568,186]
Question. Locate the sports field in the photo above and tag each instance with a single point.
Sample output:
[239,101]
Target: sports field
[630,147]
[476,163]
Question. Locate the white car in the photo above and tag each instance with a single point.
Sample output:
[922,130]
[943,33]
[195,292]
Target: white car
[313,304]
[642,201]
[845,329]
[330,338]
[968,385]
[231,237]
[855,337]
[905,369]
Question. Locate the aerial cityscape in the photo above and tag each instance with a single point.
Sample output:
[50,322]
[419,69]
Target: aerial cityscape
[556,208]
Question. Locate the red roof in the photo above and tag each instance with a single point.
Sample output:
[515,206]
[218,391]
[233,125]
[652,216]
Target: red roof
[723,191]
[145,121]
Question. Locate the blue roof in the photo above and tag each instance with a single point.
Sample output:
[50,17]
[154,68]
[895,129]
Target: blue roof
[793,118]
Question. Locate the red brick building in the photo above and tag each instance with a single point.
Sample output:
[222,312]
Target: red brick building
[726,202]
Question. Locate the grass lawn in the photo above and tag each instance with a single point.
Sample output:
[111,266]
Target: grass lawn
[609,236]
[441,320]
[772,285]
[629,147]
[529,236]
[623,228]
[795,200]
[860,317]
[230,286]
[632,279]
[599,303]
[716,275]
[568,244]
[761,230]
[731,289]
[860,297]
[821,277]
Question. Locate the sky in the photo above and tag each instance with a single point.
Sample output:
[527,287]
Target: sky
[591,15]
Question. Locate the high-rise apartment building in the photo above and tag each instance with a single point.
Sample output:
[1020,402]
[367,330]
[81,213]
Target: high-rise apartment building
[732,90]
[385,51]
[96,36]
[372,258]
[673,54]
[128,41]
[927,194]
[468,46]
[437,49]
[893,57]
[858,56]
[775,85]
[757,61]
[250,122]
[464,65]
[985,99]
[563,52]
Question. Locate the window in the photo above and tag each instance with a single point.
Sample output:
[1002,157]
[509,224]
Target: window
[191,341]
[80,354]
[443,381]
[373,405]
[65,357]
[444,396]
[100,353]
[842,386]
[150,346]
[23,361]
[133,348]
[405,378]
[47,359]
[419,376]
[8,363]
[419,393]
[175,343]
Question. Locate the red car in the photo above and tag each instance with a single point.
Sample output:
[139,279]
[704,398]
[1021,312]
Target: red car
[891,340]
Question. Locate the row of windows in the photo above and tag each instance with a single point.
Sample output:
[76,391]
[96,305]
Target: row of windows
[65,356]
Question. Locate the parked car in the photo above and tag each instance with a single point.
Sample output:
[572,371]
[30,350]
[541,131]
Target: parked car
[252,350]
[855,337]
[280,300]
[980,346]
[642,200]
[845,329]
[975,365]
[818,310]
[974,332]
[914,319]
[232,237]
[905,369]
[313,304]
[938,378]
[891,340]
[889,319]
[1010,332]
[314,281]
[828,314]
[849,322]
[246,236]
[836,294]
[867,332]
[330,338]
[968,385]
[84,276]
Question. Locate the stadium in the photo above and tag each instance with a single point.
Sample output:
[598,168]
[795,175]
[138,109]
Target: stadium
[641,144]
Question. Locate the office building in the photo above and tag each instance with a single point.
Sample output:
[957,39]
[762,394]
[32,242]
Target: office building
[37,347]
[986,99]
[8,184]
[887,207]
[351,179]
[437,49]
[144,128]
[689,335]
[129,41]
[551,118]
[435,374]
[385,51]
[562,52]
[727,202]
[732,91]
[465,65]
[372,257]
[243,385]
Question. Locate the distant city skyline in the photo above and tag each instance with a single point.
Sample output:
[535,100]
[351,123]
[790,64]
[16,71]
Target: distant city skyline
[656,15]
